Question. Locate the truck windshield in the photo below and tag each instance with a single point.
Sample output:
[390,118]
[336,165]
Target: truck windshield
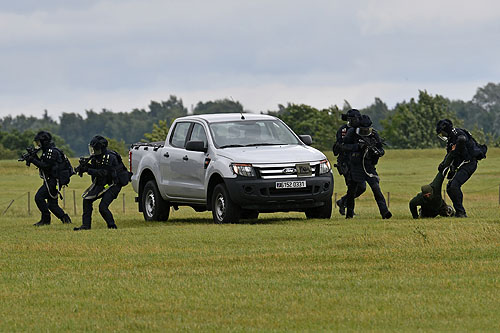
[252,133]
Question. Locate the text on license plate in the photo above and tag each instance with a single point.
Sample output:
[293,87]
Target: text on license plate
[291,184]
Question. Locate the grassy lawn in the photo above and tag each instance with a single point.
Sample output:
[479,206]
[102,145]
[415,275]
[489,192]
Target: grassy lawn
[279,273]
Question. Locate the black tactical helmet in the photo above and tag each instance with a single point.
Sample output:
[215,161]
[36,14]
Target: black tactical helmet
[352,117]
[42,139]
[364,126]
[98,145]
[444,128]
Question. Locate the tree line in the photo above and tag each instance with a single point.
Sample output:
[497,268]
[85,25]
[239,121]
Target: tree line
[410,124]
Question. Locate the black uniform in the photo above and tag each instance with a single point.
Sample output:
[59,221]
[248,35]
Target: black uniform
[103,169]
[343,166]
[463,148]
[46,198]
[364,152]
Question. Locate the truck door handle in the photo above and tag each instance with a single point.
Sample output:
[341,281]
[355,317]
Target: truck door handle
[185,158]
[166,154]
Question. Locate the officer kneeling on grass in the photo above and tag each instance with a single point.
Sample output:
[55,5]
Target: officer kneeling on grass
[108,176]
[430,200]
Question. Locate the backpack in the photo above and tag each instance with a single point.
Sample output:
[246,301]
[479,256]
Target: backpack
[478,150]
[122,174]
[64,169]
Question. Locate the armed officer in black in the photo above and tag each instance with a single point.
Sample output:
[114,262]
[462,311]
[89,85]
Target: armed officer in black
[364,146]
[343,162]
[46,198]
[465,152]
[105,168]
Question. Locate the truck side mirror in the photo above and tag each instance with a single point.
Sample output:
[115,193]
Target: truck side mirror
[306,139]
[196,146]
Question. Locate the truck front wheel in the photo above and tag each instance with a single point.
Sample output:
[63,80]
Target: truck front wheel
[224,210]
[154,207]
[322,212]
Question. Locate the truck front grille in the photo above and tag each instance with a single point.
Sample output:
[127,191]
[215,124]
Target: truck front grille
[280,171]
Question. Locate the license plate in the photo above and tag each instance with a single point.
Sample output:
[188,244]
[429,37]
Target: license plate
[291,184]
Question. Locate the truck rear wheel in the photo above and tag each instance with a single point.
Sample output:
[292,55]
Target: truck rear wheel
[224,210]
[154,207]
[322,212]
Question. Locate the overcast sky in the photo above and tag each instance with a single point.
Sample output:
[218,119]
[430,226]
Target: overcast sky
[71,56]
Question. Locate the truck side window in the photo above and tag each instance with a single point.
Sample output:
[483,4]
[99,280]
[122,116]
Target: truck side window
[198,134]
[178,138]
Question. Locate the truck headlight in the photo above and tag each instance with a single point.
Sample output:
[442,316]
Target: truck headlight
[245,170]
[324,167]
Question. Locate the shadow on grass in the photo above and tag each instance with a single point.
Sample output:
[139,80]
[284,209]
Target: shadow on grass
[207,221]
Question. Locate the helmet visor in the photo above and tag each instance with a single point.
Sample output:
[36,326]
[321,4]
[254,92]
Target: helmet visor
[94,151]
[443,136]
[364,131]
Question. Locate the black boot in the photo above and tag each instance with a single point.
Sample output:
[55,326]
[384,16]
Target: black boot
[340,204]
[112,226]
[41,223]
[45,220]
[66,219]
[82,227]
[387,215]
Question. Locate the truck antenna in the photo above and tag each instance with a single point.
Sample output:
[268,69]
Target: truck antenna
[241,112]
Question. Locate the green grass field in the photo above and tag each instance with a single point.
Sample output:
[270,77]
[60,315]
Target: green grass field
[279,273]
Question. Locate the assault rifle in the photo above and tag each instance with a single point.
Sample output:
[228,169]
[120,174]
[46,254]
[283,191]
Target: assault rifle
[371,144]
[83,165]
[30,151]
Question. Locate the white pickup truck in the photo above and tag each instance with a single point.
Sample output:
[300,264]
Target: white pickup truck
[235,165]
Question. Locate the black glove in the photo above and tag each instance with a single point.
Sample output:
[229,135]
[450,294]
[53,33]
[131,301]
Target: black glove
[441,167]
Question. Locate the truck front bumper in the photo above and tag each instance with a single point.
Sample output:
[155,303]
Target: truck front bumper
[262,194]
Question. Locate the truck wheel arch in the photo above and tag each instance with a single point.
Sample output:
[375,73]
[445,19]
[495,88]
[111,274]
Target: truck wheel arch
[215,180]
[146,176]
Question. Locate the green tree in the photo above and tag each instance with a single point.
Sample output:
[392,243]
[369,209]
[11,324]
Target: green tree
[218,106]
[119,146]
[322,124]
[413,124]
[159,132]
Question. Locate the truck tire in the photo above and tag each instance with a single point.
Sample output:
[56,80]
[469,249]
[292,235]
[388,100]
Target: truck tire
[323,212]
[154,207]
[224,210]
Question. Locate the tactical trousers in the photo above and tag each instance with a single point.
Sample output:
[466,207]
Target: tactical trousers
[106,200]
[352,189]
[454,185]
[46,203]
[360,189]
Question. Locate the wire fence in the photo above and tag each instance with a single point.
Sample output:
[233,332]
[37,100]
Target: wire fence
[6,205]
[9,203]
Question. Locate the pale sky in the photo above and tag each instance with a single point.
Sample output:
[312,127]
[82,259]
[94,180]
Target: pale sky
[71,56]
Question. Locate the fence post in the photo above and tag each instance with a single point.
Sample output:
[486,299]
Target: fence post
[74,202]
[124,202]
[29,203]
[388,199]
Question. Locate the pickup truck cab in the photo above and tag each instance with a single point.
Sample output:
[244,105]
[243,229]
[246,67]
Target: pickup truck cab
[235,165]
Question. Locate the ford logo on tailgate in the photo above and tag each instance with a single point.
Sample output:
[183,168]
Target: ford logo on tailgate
[289,171]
